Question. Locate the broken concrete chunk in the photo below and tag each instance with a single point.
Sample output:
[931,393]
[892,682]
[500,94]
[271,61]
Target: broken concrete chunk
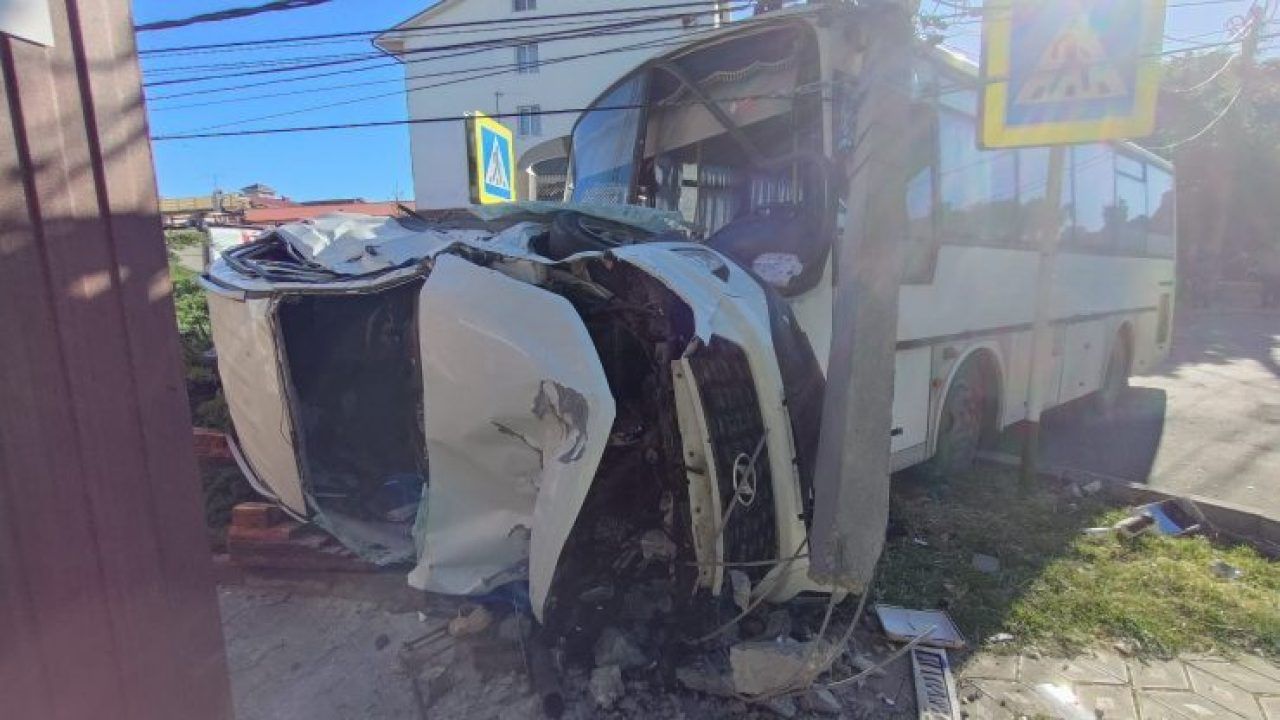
[433,683]
[606,686]
[986,564]
[703,678]
[614,647]
[765,667]
[820,700]
[781,706]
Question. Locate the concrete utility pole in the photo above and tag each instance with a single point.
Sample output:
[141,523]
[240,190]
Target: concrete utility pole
[1050,226]
[851,482]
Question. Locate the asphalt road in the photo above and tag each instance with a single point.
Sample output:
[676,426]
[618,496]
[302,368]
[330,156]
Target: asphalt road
[1207,422]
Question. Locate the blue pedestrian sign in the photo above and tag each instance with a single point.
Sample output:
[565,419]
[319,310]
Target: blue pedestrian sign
[492,161]
[1068,71]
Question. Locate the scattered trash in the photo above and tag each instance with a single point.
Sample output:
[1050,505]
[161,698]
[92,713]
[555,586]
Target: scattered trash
[741,586]
[1098,531]
[613,647]
[1062,699]
[606,686]
[986,563]
[920,541]
[1175,517]
[935,685]
[471,620]
[1224,570]
[1000,638]
[904,625]
[820,700]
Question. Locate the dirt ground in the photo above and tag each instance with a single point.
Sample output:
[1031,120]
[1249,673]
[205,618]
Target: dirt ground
[324,651]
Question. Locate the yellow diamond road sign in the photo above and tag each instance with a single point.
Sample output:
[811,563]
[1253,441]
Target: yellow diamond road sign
[492,160]
[1067,71]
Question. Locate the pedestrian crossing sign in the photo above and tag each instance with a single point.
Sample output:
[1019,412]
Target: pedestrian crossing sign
[1069,71]
[493,163]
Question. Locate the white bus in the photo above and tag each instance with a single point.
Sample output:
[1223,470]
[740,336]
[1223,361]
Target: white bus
[968,285]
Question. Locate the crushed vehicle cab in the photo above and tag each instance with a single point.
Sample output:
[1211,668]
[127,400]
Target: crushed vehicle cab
[596,396]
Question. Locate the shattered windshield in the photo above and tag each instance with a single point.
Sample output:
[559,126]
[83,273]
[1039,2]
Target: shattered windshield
[604,145]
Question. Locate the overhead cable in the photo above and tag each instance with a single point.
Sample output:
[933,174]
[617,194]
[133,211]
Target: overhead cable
[229,14]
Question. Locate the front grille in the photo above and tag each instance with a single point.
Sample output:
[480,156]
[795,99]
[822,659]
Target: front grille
[734,423]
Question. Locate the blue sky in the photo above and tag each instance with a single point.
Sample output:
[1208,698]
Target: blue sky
[370,163]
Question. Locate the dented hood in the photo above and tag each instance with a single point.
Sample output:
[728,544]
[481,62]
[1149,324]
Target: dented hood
[517,415]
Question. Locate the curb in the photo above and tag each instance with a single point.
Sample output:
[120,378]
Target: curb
[1232,520]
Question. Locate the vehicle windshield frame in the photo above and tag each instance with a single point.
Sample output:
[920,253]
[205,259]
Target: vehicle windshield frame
[642,75]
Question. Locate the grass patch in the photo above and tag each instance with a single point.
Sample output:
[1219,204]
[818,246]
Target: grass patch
[1061,591]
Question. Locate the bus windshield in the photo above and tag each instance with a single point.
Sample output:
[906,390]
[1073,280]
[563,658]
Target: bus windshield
[603,152]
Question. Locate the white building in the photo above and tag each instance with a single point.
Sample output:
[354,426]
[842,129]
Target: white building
[519,56]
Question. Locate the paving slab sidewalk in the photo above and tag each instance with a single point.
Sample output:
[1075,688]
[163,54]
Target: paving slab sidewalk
[1107,685]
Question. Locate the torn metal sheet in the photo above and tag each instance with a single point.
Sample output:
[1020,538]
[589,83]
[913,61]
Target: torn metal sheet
[645,218]
[355,244]
[517,416]
[244,334]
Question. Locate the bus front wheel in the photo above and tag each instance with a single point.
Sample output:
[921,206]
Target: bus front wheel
[961,425]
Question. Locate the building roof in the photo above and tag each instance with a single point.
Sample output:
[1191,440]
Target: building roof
[292,213]
[392,41]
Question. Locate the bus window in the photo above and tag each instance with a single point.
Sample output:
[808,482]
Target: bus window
[1160,206]
[1093,198]
[1131,206]
[1033,181]
[977,189]
[921,250]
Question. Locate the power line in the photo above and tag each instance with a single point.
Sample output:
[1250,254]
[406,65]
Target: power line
[621,27]
[229,14]
[480,73]
[410,31]
[347,71]
[1216,119]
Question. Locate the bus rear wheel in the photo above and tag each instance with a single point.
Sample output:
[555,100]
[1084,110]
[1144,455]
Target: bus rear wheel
[962,424]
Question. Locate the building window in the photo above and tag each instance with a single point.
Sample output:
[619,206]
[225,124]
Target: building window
[523,5]
[527,58]
[530,120]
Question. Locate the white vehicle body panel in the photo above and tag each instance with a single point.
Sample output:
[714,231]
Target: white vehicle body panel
[244,333]
[517,416]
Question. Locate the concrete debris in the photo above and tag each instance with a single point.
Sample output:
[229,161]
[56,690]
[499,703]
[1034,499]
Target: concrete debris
[655,545]
[986,564]
[613,647]
[765,667]
[606,686]
[781,706]
[432,684]
[778,625]
[820,700]
[703,678]
[515,628]
[741,586]
[471,621]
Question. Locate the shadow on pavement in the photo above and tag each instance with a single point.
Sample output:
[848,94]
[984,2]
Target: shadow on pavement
[1218,338]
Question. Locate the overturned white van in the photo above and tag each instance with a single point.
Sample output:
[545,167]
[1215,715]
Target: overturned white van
[577,395]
